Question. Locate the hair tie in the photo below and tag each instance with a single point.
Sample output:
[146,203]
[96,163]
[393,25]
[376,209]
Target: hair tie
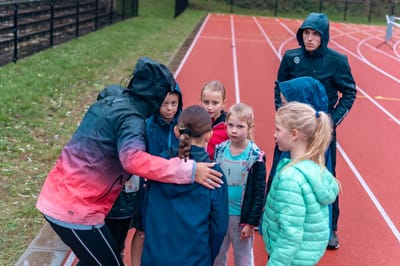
[185,131]
[316,114]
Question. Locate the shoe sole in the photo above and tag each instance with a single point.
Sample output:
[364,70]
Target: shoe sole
[333,247]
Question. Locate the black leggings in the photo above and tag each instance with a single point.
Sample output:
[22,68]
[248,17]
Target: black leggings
[92,247]
[119,229]
[335,204]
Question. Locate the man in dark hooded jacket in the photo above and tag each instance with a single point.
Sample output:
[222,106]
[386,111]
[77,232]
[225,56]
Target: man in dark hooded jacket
[332,69]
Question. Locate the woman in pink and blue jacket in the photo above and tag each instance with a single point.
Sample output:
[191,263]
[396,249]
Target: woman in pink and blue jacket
[106,149]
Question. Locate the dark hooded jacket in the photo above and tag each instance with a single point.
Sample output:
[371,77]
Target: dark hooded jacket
[160,137]
[184,224]
[324,64]
[109,143]
[305,90]
[127,203]
[160,134]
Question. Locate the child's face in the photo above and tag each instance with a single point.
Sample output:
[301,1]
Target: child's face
[213,102]
[283,137]
[238,130]
[169,107]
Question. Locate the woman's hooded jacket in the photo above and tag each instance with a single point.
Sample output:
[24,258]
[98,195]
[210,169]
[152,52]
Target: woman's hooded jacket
[108,146]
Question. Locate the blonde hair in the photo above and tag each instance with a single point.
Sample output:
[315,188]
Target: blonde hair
[214,85]
[314,126]
[245,113]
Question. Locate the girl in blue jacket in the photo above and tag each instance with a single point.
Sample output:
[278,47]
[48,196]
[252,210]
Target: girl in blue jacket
[185,224]
[296,217]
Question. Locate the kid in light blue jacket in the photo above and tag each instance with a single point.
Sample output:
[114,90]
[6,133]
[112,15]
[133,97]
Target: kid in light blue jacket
[296,218]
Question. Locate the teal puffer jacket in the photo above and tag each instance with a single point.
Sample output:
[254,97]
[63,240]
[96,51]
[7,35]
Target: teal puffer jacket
[295,221]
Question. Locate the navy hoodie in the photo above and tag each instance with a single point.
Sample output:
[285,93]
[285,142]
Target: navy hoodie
[305,90]
[324,64]
[184,224]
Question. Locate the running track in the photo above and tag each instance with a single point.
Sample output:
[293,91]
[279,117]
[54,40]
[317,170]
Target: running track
[244,53]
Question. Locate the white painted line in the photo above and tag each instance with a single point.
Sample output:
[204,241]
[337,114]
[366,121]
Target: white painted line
[371,195]
[235,65]
[70,259]
[379,106]
[267,38]
[189,51]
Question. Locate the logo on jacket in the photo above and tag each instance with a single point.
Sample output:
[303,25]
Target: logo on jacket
[296,60]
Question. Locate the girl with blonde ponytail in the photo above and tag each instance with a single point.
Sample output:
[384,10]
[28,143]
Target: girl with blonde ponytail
[296,218]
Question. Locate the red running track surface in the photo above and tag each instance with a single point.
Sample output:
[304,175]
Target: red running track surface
[244,53]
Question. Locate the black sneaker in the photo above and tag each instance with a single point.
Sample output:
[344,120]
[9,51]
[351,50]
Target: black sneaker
[333,241]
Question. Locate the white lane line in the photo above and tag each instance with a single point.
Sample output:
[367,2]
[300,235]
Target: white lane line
[267,38]
[379,106]
[235,65]
[371,195]
[70,259]
[189,51]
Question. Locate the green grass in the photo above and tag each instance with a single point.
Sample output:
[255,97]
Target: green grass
[44,96]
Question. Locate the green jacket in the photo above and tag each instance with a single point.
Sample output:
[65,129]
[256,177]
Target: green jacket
[295,222]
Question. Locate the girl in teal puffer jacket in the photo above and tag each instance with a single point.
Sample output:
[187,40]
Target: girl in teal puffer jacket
[296,218]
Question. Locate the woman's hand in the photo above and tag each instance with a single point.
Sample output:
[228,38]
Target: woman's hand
[207,176]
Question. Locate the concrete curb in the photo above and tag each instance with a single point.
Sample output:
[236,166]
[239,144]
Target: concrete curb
[46,249]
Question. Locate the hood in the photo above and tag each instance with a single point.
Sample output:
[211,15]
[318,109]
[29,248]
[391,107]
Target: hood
[178,112]
[318,22]
[305,90]
[151,82]
[321,181]
[111,90]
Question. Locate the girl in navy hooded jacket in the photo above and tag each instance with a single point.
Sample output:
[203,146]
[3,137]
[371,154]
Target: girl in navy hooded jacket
[186,224]
[160,137]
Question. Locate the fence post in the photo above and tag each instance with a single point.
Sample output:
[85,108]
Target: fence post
[15,58]
[346,5]
[231,6]
[51,22]
[136,7]
[123,9]
[320,5]
[96,16]
[276,8]
[111,11]
[370,12]
[77,19]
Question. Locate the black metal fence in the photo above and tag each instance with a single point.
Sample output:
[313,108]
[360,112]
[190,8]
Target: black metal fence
[27,27]
[370,10]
